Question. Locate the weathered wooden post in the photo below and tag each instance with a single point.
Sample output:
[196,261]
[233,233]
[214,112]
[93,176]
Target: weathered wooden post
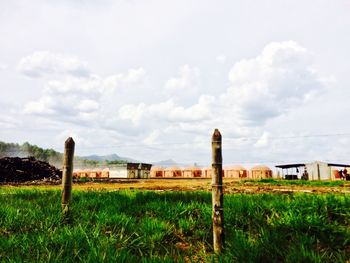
[217,194]
[67,173]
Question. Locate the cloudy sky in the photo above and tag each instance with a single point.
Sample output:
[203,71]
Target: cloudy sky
[152,79]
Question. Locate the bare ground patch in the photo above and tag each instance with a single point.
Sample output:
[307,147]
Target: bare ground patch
[230,186]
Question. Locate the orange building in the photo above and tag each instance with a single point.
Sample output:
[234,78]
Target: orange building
[206,172]
[157,171]
[173,172]
[193,171]
[235,171]
[260,172]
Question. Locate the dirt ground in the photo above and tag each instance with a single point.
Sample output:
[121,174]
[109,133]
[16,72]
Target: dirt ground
[230,186]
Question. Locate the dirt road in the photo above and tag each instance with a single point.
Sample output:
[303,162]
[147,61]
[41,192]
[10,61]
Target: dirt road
[230,186]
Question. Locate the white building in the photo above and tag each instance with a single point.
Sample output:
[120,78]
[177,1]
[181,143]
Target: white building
[127,170]
[310,171]
[130,170]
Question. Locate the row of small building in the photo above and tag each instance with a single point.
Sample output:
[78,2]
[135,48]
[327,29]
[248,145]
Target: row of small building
[143,171]
[308,171]
[235,171]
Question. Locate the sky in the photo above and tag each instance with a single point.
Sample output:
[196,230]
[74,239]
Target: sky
[152,79]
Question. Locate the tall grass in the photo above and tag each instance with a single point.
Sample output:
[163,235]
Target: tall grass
[134,226]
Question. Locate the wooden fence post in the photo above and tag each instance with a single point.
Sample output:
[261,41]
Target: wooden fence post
[67,173]
[217,194]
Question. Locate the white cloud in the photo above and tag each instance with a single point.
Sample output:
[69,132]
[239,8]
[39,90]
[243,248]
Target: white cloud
[87,105]
[134,75]
[132,112]
[260,89]
[279,79]
[3,67]
[221,59]
[153,137]
[76,134]
[263,141]
[42,63]
[44,106]
[168,112]
[76,99]
[8,122]
[90,87]
[275,82]
[187,83]
[68,99]
[125,80]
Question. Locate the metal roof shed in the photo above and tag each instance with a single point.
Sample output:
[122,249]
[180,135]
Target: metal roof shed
[310,171]
[292,171]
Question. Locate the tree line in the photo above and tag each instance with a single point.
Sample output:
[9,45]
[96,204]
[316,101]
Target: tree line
[27,149]
[47,155]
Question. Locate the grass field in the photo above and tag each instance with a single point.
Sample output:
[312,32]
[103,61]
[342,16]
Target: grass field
[149,226]
[270,181]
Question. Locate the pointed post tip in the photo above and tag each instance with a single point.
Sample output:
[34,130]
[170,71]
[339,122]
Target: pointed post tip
[69,139]
[216,135]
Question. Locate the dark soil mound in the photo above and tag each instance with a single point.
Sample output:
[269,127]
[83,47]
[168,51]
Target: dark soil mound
[15,169]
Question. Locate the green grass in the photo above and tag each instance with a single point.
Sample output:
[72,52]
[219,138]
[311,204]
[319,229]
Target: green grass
[146,226]
[270,181]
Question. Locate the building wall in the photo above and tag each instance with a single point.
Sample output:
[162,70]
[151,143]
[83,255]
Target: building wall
[173,173]
[233,173]
[118,172]
[197,173]
[319,171]
[206,172]
[187,173]
[191,173]
[260,174]
[144,174]
[335,174]
[132,173]
[243,174]
[157,173]
[105,173]
[95,173]
[168,173]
